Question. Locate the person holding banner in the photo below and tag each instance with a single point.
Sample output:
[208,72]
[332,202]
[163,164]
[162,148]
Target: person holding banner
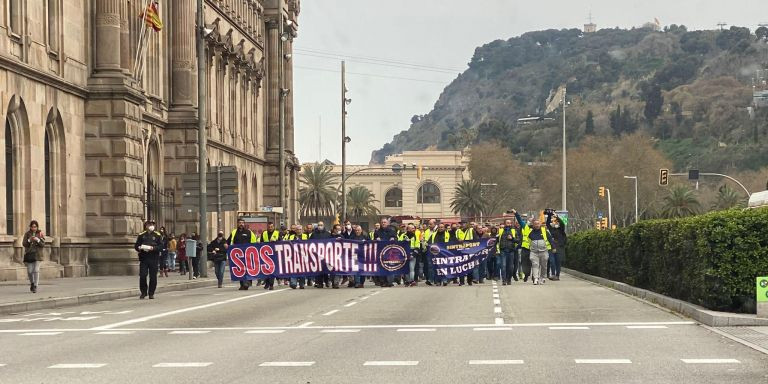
[296,234]
[320,233]
[359,281]
[386,232]
[466,233]
[439,236]
[271,235]
[242,235]
[507,247]
[410,236]
[536,241]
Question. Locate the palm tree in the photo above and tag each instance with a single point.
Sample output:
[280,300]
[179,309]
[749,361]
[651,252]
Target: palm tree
[317,194]
[468,200]
[680,202]
[727,198]
[361,202]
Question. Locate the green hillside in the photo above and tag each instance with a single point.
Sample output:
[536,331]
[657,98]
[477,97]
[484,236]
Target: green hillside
[688,90]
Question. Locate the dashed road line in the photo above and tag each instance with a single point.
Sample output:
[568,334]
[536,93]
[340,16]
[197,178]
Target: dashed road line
[181,365]
[76,366]
[495,295]
[350,304]
[496,309]
[416,330]
[710,361]
[389,363]
[41,334]
[496,302]
[114,333]
[647,327]
[265,331]
[491,329]
[287,364]
[340,331]
[499,321]
[188,332]
[2,365]
[496,362]
[603,361]
[330,312]
[567,328]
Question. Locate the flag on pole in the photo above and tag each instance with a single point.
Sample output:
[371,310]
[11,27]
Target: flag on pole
[152,16]
[555,99]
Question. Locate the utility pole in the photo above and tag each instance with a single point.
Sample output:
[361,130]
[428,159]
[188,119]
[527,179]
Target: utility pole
[283,94]
[565,208]
[343,143]
[202,137]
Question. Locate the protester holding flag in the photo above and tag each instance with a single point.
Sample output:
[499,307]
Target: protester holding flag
[559,240]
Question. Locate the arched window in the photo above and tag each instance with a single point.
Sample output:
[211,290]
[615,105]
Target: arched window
[9,168]
[429,193]
[48,185]
[393,198]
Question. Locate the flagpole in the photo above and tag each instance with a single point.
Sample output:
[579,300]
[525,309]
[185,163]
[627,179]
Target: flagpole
[140,47]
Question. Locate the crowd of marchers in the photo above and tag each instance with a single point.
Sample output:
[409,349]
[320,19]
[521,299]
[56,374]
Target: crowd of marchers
[525,249]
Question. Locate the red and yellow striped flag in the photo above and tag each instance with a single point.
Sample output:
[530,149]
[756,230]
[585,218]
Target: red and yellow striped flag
[152,17]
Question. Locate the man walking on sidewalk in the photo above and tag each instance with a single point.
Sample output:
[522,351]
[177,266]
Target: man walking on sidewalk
[148,245]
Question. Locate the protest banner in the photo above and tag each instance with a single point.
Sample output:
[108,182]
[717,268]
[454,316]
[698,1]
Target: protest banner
[457,259]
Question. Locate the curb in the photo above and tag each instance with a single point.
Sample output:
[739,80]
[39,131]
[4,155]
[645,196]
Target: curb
[695,312]
[59,302]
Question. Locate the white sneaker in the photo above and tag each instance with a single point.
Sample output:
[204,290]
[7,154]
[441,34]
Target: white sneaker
[535,282]
[543,281]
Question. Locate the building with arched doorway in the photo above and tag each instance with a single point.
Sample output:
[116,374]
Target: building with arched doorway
[410,192]
[92,149]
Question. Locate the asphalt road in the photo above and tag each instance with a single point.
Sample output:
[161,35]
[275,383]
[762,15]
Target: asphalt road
[562,332]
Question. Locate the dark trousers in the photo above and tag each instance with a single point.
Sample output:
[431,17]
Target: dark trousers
[219,267]
[525,262]
[555,260]
[148,266]
[269,282]
[195,266]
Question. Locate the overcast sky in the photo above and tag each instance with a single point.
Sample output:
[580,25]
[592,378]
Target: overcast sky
[437,35]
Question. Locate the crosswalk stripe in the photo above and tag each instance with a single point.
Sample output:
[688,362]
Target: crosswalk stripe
[330,312]
[340,331]
[567,328]
[416,330]
[41,334]
[647,327]
[287,364]
[350,304]
[188,332]
[115,333]
[76,366]
[603,361]
[266,331]
[710,361]
[389,363]
[492,329]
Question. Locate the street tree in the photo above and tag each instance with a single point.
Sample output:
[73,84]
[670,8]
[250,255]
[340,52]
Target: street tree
[361,202]
[317,193]
[681,202]
[468,199]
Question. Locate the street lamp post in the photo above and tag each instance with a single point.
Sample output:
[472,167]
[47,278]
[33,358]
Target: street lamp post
[634,178]
[201,135]
[565,208]
[344,141]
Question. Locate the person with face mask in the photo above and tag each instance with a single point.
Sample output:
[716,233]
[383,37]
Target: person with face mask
[386,232]
[271,235]
[439,236]
[348,230]
[507,249]
[320,233]
[242,235]
[358,235]
[217,249]
[413,240]
[559,240]
[536,242]
[296,234]
[33,242]
[148,245]
[523,254]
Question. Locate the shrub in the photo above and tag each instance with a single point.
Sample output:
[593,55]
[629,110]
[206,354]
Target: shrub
[709,260]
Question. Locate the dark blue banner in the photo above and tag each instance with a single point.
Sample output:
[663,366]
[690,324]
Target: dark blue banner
[284,259]
[458,259]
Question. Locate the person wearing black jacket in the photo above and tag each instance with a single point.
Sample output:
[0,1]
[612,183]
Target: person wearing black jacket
[359,236]
[441,236]
[242,235]
[217,249]
[148,244]
[386,233]
[509,239]
[559,240]
[321,233]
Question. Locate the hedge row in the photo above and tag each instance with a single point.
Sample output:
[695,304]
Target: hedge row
[710,260]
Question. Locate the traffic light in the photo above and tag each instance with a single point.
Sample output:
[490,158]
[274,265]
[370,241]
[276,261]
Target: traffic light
[601,191]
[604,223]
[664,177]
[598,224]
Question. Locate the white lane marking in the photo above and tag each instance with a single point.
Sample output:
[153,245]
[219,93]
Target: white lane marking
[496,302]
[115,333]
[76,366]
[496,309]
[375,293]
[2,365]
[266,331]
[603,361]
[330,312]
[41,333]
[364,298]
[350,304]
[182,365]
[495,295]
[307,324]
[566,328]
[499,321]
[647,327]
[389,363]
[287,364]
[416,330]
[710,361]
[188,332]
[183,310]
[496,362]
[492,329]
[340,331]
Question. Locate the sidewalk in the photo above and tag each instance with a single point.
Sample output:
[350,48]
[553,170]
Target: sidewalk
[15,295]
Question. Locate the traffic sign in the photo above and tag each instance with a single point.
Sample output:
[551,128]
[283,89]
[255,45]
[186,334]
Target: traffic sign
[693,174]
[762,289]
[664,177]
[599,214]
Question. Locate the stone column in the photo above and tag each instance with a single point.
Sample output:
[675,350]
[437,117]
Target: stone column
[126,61]
[273,88]
[106,55]
[288,81]
[183,46]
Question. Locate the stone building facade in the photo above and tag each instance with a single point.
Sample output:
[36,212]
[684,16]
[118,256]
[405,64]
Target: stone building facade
[91,151]
[403,193]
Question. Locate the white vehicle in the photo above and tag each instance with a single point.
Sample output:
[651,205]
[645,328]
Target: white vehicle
[758,200]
